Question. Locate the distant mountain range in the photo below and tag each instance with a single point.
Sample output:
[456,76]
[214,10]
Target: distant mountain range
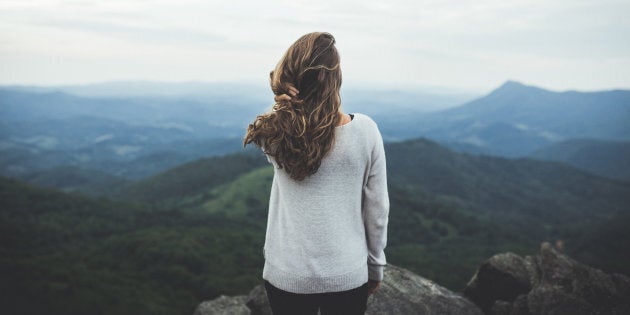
[136,129]
[515,119]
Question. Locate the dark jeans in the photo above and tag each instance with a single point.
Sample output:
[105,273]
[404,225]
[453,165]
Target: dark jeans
[345,302]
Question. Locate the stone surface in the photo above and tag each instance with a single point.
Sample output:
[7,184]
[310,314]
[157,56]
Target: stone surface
[501,278]
[402,292]
[548,283]
[224,305]
[257,301]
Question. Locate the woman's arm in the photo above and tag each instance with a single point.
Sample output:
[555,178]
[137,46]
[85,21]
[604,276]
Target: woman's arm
[376,210]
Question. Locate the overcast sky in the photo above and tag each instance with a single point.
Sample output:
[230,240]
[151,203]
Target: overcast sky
[473,45]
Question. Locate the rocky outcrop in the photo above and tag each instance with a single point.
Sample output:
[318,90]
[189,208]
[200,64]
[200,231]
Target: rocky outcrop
[224,305]
[548,283]
[402,292]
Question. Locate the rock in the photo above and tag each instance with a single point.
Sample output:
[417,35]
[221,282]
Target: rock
[224,305]
[501,278]
[548,283]
[257,301]
[402,292]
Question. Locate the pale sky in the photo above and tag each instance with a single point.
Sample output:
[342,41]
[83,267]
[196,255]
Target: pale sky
[474,45]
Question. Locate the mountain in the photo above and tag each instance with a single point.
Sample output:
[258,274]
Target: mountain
[196,231]
[128,137]
[605,158]
[116,129]
[130,89]
[187,183]
[442,202]
[132,156]
[516,119]
[501,187]
[197,116]
[79,180]
[478,204]
[69,254]
[134,129]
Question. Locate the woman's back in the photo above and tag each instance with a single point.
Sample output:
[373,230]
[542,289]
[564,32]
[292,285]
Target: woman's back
[315,239]
[328,209]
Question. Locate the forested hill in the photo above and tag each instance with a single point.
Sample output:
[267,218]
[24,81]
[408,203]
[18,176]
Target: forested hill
[191,179]
[606,158]
[436,194]
[519,189]
[69,254]
[199,228]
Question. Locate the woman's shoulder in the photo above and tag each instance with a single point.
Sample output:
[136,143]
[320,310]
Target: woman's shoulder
[364,121]
[363,118]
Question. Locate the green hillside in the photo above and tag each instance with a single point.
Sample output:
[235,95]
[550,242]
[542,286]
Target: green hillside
[198,229]
[72,178]
[492,204]
[445,204]
[528,195]
[190,181]
[605,158]
[452,210]
[68,254]
[247,196]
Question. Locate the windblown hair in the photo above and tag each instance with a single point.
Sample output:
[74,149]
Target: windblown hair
[299,132]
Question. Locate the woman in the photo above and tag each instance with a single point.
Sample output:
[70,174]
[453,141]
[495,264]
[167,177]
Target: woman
[328,209]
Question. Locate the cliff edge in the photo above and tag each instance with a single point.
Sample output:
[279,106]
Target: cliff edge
[546,283]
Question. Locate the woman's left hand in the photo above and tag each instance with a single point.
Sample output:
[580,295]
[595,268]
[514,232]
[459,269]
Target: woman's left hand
[373,285]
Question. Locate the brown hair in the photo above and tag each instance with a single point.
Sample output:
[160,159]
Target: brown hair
[299,131]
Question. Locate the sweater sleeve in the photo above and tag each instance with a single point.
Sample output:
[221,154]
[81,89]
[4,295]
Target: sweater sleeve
[376,211]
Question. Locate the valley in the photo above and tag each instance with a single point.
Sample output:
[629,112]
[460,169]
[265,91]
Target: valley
[148,205]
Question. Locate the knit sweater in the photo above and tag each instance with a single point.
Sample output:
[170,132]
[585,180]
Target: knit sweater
[327,232]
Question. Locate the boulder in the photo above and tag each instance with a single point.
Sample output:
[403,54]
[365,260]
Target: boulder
[401,292]
[548,283]
[224,305]
[257,301]
[404,292]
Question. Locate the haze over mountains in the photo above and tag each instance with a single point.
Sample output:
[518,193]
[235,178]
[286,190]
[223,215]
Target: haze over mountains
[514,120]
[131,135]
[117,130]
[174,209]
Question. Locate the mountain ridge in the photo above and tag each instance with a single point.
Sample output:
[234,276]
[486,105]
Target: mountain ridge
[606,158]
[515,119]
[438,189]
[440,227]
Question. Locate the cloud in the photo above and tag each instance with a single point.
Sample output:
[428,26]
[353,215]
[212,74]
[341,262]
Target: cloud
[435,42]
[137,33]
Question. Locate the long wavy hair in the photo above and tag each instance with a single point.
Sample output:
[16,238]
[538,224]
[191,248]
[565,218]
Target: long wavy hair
[299,131]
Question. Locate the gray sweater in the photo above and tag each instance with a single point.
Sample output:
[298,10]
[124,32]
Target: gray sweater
[327,233]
